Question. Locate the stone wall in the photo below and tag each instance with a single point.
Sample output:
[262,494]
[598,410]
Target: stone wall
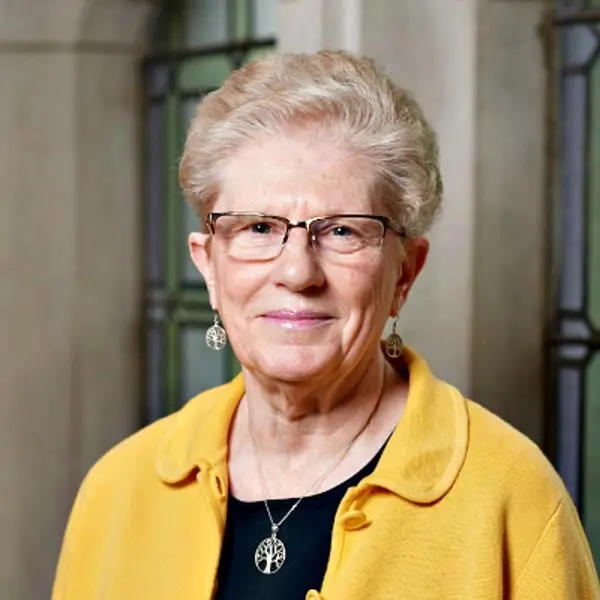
[70,263]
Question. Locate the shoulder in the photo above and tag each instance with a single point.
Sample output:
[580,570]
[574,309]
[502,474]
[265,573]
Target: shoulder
[134,455]
[130,490]
[167,449]
[493,439]
[521,492]
[510,454]
[510,477]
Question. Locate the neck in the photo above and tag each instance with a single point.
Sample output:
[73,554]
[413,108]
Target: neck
[291,417]
[297,427]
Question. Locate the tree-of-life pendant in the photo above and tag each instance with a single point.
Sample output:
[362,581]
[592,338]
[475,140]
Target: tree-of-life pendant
[270,555]
[394,345]
[216,338]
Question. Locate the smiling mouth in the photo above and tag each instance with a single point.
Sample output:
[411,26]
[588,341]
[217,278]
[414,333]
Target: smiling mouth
[297,319]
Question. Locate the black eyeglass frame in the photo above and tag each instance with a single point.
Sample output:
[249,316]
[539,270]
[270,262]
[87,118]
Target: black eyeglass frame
[211,221]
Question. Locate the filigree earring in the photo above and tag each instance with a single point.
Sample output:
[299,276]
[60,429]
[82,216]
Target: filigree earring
[394,343]
[216,337]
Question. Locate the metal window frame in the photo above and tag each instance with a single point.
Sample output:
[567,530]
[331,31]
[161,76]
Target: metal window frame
[175,301]
[555,341]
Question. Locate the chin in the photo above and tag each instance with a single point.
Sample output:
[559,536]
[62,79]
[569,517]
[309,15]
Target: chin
[294,363]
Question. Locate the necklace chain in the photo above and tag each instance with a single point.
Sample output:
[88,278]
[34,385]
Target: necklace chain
[315,485]
[275,526]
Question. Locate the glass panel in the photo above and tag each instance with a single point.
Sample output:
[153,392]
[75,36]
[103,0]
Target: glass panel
[201,367]
[264,18]
[594,199]
[155,202]
[194,308]
[572,158]
[569,418]
[234,364]
[240,20]
[191,222]
[188,109]
[173,362]
[591,448]
[579,44]
[205,23]
[197,301]
[204,73]
[191,275]
[174,196]
[155,366]
[258,52]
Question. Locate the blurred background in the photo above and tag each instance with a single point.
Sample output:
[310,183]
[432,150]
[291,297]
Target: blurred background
[102,314]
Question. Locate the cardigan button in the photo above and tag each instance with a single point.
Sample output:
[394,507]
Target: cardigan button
[354,519]
[313,595]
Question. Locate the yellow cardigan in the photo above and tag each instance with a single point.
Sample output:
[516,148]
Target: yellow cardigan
[461,506]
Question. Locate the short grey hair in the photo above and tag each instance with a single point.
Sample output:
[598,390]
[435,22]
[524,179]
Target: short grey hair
[346,94]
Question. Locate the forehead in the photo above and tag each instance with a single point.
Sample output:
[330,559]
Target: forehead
[297,176]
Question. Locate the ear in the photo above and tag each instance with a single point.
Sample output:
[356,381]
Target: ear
[415,255]
[199,245]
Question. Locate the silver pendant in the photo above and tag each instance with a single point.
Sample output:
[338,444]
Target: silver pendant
[216,338]
[394,345]
[270,555]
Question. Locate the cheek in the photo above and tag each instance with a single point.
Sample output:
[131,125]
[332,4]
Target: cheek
[368,287]
[235,282]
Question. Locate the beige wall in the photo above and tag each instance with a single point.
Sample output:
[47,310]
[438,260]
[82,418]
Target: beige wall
[431,51]
[477,68]
[37,213]
[69,263]
[508,294]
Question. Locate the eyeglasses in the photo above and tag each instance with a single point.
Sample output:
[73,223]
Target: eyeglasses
[255,236]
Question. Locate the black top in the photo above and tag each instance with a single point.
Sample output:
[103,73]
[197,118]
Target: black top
[306,535]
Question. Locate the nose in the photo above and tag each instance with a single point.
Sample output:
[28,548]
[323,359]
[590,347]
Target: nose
[298,266]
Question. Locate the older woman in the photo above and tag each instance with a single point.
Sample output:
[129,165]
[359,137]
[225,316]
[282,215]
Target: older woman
[333,467]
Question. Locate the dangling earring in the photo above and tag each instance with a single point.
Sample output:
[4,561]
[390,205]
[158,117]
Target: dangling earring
[394,343]
[216,338]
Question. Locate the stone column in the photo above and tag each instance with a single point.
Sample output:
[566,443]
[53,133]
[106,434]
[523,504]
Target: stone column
[511,204]
[477,68]
[70,260]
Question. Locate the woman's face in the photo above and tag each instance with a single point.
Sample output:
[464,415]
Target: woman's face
[303,314]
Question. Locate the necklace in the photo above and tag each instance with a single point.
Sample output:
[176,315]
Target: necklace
[271,553]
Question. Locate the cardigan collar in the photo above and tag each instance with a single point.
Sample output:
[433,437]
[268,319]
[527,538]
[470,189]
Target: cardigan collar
[420,463]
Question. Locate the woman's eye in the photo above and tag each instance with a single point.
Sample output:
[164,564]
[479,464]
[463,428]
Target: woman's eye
[341,231]
[262,228]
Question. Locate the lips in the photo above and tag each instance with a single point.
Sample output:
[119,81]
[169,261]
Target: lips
[297,319]
[290,315]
